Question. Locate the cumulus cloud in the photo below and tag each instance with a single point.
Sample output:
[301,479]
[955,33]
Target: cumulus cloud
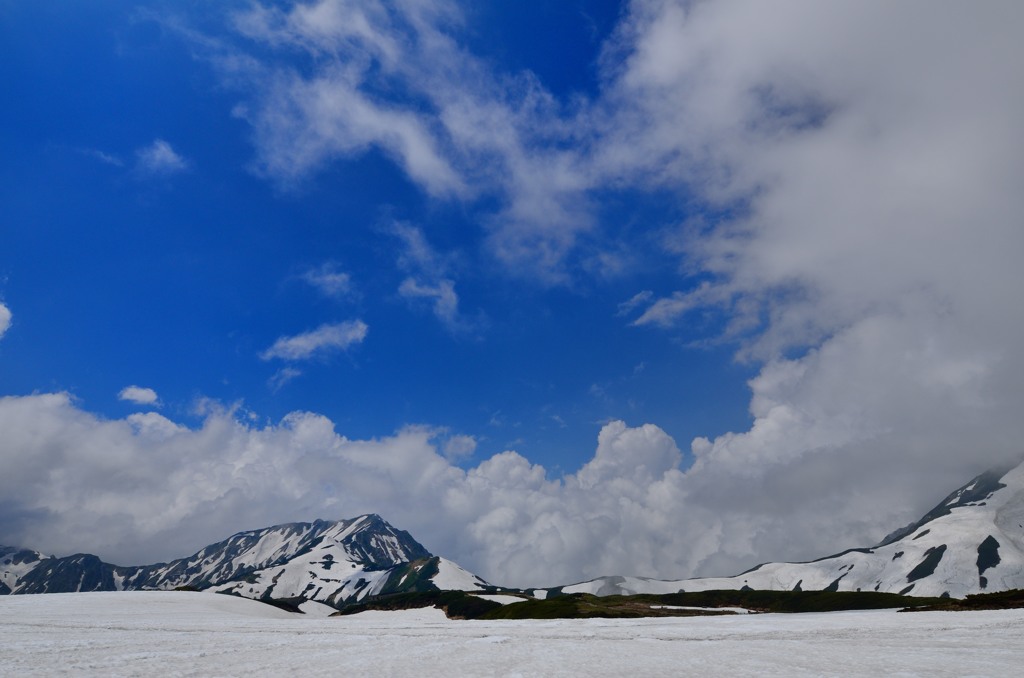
[160,158]
[139,395]
[459,447]
[5,319]
[321,341]
[867,263]
[145,488]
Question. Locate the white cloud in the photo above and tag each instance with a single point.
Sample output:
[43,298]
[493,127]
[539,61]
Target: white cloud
[329,281]
[417,254]
[145,489]
[282,377]
[324,339]
[445,300]
[139,395]
[428,281]
[160,158]
[397,82]
[5,319]
[459,447]
[105,158]
[872,260]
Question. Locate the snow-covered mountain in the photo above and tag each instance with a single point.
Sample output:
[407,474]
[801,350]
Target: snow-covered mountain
[972,542]
[334,562]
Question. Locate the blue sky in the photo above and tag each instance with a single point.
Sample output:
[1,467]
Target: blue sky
[639,281]
[179,278]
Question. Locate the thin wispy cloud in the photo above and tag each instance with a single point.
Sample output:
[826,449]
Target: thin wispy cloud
[280,378]
[330,281]
[429,282]
[103,157]
[479,134]
[160,158]
[443,300]
[326,339]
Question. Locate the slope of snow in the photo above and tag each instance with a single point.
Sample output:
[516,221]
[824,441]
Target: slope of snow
[197,634]
[500,598]
[16,563]
[451,577]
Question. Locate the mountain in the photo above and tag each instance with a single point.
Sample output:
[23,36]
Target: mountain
[972,542]
[334,562]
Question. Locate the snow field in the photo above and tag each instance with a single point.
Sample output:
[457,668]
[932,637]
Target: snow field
[202,634]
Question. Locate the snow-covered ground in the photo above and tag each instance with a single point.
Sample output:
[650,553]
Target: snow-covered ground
[203,634]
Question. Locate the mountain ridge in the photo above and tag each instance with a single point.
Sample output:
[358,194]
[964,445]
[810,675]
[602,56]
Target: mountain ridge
[334,562]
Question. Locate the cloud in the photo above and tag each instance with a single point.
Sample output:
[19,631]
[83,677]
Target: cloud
[160,158]
[139,395]
[5,319]
[864,260]
[324,339]
[459,447]
[398,83]
[445,301]
[145,488]
[105,158]
[416,253]
[282,377]
[428,281]
[329,281]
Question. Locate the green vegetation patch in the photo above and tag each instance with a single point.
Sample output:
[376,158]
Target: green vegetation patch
[1001,600]
[792,601]
[460,605]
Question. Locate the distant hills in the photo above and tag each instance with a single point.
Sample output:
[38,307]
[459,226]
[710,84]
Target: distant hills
[972,542]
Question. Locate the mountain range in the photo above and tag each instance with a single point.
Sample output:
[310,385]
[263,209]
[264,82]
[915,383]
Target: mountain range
[971,542]
[332,562]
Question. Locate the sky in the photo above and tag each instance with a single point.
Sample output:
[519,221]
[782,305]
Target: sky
[565,289]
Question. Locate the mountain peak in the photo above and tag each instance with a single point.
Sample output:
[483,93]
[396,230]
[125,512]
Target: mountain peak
[331,561]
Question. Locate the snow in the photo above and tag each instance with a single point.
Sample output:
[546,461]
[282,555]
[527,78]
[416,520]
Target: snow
[311,608]
[734,610]
[451,577]
[198,634]
[625,586]
[499,598]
